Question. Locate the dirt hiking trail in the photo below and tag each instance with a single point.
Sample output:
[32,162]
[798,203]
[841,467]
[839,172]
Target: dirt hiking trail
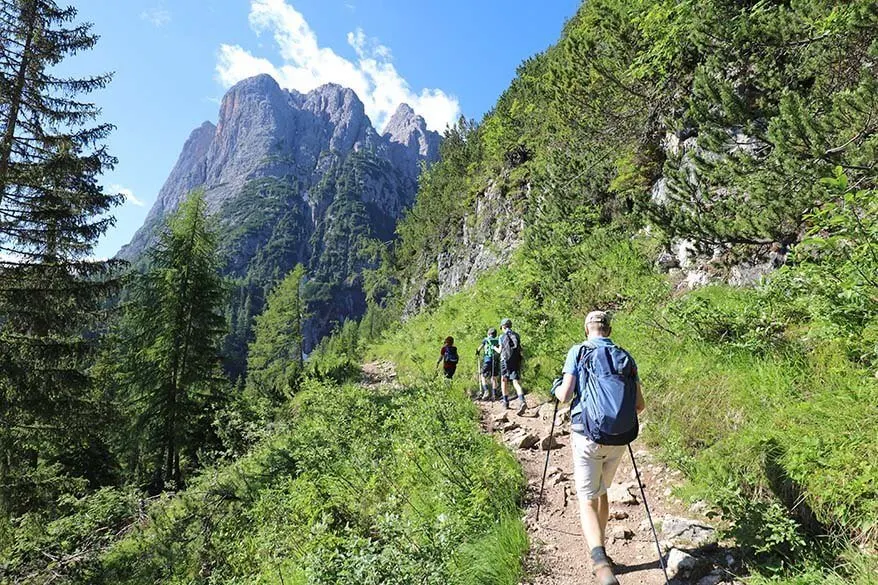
[559,554]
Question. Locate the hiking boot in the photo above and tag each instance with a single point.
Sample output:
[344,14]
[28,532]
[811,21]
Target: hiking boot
[485,396]
[506,403]
[521,409]
[603,572]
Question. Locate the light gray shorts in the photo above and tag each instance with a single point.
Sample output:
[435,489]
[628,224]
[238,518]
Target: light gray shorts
[594,466]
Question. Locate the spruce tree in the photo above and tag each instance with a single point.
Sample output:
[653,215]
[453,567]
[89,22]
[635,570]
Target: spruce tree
[52,212]
[171,332]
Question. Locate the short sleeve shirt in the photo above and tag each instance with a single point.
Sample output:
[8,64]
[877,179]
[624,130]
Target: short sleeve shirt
[571,365]
[488,345]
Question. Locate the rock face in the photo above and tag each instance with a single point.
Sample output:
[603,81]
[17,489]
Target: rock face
[410,140]
[487,238]
[297,178]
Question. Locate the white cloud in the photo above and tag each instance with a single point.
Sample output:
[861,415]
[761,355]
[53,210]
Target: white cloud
[157,17]
[127,193]
[306,65]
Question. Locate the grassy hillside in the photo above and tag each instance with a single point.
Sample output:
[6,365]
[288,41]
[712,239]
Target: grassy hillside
[769,425]
[745,133]
[349,486]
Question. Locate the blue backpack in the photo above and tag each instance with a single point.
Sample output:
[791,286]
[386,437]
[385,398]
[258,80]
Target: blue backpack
[604,404]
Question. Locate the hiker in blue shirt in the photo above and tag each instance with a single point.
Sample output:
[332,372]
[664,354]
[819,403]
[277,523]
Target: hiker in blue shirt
[490,368]
[603,422]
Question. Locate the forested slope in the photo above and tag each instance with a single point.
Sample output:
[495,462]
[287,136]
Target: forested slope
[661,147]
[657,152]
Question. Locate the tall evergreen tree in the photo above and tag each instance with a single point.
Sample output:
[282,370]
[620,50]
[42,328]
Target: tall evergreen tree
[52,211]
[275,359]
[171,332]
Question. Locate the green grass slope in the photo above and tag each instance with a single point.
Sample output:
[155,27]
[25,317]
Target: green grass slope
[353,485]
[773,426]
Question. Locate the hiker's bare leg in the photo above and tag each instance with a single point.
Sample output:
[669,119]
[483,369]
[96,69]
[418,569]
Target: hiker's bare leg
[603,515]
[518,389]
[589,515]
[503,387]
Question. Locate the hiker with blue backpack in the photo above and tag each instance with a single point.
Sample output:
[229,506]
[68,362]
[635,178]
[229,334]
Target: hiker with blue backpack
[600,378]
[448,358]
[490,364]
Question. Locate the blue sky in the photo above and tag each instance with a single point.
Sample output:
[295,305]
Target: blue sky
[174,59]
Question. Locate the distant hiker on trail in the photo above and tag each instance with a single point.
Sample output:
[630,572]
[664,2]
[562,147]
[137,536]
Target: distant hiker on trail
[490,368]
[601,379]
[448,358]
[510,364]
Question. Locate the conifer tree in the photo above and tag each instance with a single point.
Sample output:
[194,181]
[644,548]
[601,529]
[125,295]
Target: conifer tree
[171,332]
[52,212]
[275,359]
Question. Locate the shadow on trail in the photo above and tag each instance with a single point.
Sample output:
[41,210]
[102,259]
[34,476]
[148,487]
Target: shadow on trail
[645,566]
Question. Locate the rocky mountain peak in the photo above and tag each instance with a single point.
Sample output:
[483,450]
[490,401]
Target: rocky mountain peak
[265,131]
[332,97]
[401,117]
[409,130]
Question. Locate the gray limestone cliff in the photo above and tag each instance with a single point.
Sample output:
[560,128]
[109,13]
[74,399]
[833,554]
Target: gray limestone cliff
[297,179]
[485,239]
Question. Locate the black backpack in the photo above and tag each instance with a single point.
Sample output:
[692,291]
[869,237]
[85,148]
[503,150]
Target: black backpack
[514,343]
[451,354]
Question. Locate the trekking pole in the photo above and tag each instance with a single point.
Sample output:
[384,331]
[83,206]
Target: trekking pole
[649,516]
[480,390]
[548,452]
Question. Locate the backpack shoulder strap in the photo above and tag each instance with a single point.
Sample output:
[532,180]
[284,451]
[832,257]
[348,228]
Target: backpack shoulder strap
[586,347]
[586,350]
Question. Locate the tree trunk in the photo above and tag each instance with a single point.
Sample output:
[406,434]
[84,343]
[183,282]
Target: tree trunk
[29,16]
[4,471]
[170,449]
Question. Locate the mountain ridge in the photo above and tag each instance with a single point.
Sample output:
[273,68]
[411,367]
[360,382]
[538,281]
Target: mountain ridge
[296,178]
[261,124]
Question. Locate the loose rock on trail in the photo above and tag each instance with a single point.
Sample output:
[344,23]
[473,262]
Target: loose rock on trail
[559,554]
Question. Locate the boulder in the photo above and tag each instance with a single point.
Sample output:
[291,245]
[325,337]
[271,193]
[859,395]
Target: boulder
[666,261]
[679,563]
[545,411]
[683,566]
[509,427]
[548,443]
[622,533]
[521,439]
[620,493]
[500,418]
[619,515]
[682,531]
